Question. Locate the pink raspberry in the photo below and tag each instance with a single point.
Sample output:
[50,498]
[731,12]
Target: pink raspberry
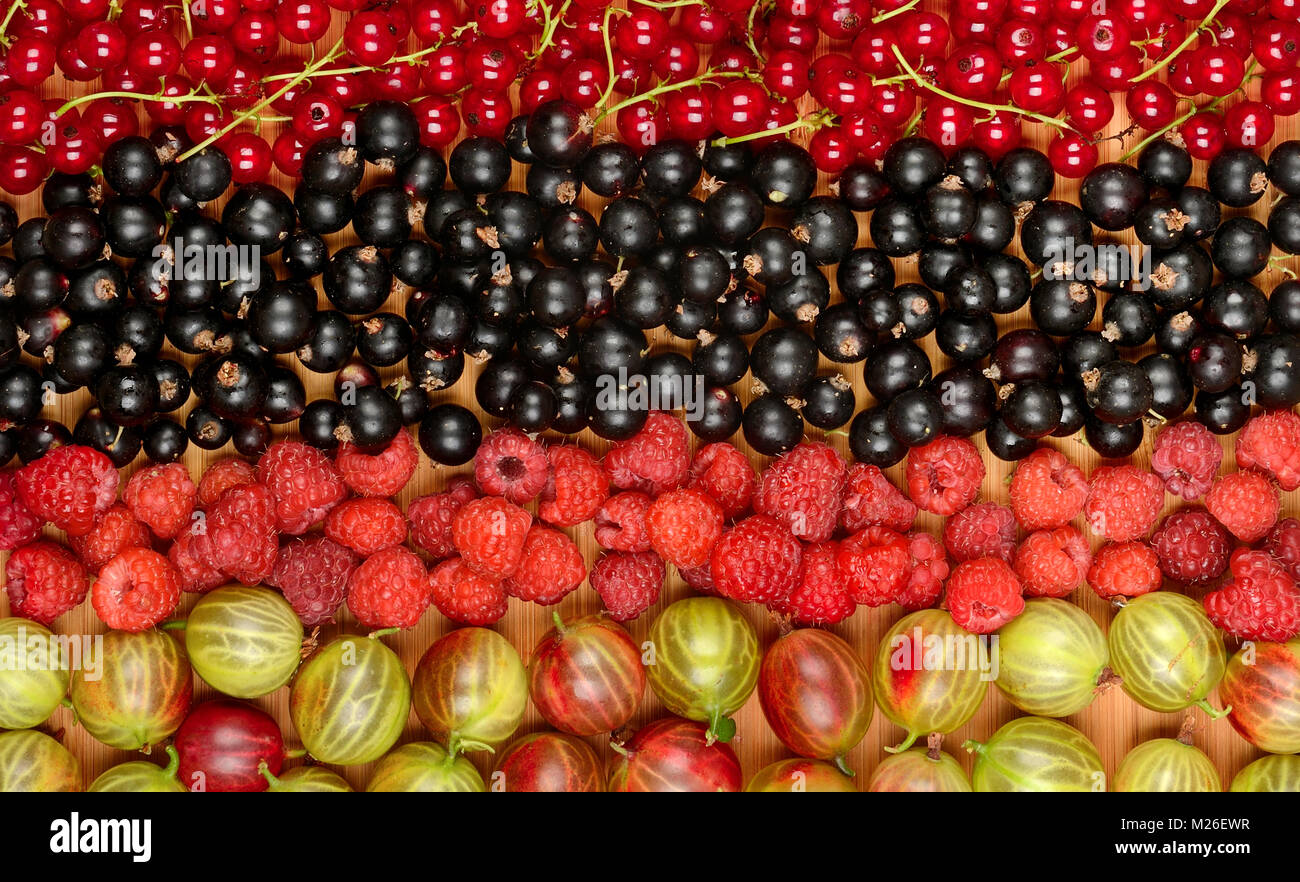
[985,529]
[628,583]
[1186,456]
[655,459]
[511,464]
[802,490]
[871,500]
[929,572]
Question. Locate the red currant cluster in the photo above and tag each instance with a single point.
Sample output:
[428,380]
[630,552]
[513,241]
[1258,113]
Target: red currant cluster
[742,69]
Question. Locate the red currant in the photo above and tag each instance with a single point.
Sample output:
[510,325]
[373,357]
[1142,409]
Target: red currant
[491,64]
[948,123]
[969,30]
[1088,107]
[796,8]
[213,16]
[111,118]
[250,157]
[997,135]
[702,24]
[202,121]
[44,18]
[154,54]
[732,58]
[1116,74]
[641,125]
[739,108]
[256,34]
[1280,90]
[501,18]
[486,114]
[1037,88]
[1228,30]
[316,116]
[1072,155]
[147,15]
[1276,45]
[1032,10]
[1103,37]
[396,81]
[689,113]
[1165,35]
[1248,124]
[631,74]
[922,34]
[288,152]
[123,79]
[538,86]
[243,88]
[208,58]
[893,103]
[21,116]
[1216,70]
[439,121]
[679,61]
[1071,10]
[370,38]
[1140,13]
[792,33]
[831,151]
[1020,41]
[86,10]
[873,49]
[446,74]
[842,19]
[434,20]
[1151,105]
[1203,135]
[1284,10]
[31,60]
[302,21]
[973,71]
[22,169]
[583,80]
[642,33]
[785,74]
[74,150]
[102,44]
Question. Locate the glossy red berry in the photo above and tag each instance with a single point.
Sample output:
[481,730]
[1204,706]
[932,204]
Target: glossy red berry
[213,16]
[1151,104]
[974,71]
[22,169]
[873,49]
[1280,90]
[102,44]
[44,18]
[922,34]
[432,20]
[169,113]
[689,113]
[1020,41]
[1276,45]
[703,24]
[288,152]
[148,15]
[86,10]
[250,157]
[842,19]
[256,35]
[31,60]
[208,58]
[537,87]
[642,33]
[315,116]
[641,125]
[893,103]
[785,74]
[1072,155]
[792,33]
[1216,70]
[21,116]
[486,114]
[739,108]
[302,21]
[445,73]
[1116,74]
[998,134]
[202,121]
[439,121]
[1102,37]
[948,123]
[154,54]
[1037,88]
[583,80]
[370,38]
[75,148]
[1203,135]
[111,119]
[500,18]
[679,61]
[1088,107]
[71,66]
[1248,124]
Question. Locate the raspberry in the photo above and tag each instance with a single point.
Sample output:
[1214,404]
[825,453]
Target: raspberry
[1052,563]
[240,538]
[551,567]
[1245,502]
[1125,569]
[44,580]
[70,487]
[1186,456]
[1047,490]
[620,522]
[577,488]
[379,474]
[724,472]
[162,497]
[1192,547]
[1259,602]
[313,574]
[489,533]
[944,475]
[802,490]
[985,529]
[430,517]
[115,531]
[221,476]
[700,578]
[871,500]
[984,594]
[1123,502]
[929,570]
[875,565]
[366,524]
[1271,442]
[462,595]
[756,561]
[628,582]
[653,460]
[18,525]
[303,482]
[191,554]
[390,589]
[683,526]
[136,590]
[819,598]
[511,464]
[1283,543]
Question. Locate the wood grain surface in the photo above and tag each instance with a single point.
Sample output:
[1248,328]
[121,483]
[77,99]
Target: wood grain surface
[1114,722]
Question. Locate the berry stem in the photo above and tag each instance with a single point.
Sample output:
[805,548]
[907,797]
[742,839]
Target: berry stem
[667,87]
[265,102]
[992,108]
[1187,41]
[173,625]
[1184,118]
[341,71]
[1060,56]
[907,742]
[885,16]
[4,25]
[550,25]
[139,96]
[609,56]
[813,121]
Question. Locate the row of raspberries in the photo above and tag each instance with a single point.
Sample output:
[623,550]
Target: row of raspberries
[810,537]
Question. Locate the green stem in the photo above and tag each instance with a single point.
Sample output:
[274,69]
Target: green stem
[4,25]
[189,25]
[382,632]
[559,622]
[342,71]
[173,625]
[667,87]
[173,762]
[907,742]
[138,96]
[1180,120]
[609,57]
[1212,712]
[885,16]
[970,745]
[814,122]
[993,108]
[842,763]
[549,28]
[1187,41]
[749,30]
[1060,56]
[265,102]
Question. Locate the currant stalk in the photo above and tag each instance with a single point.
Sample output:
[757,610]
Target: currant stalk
[665,88]
[1188,41]
[1211,105]
[885,16]
[550,26]
[310,69]
[992,108]
[189,97]
[339,71]
[4,25]
[813,121]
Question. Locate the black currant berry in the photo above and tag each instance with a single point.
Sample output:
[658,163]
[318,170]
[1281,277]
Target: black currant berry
[870,440]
